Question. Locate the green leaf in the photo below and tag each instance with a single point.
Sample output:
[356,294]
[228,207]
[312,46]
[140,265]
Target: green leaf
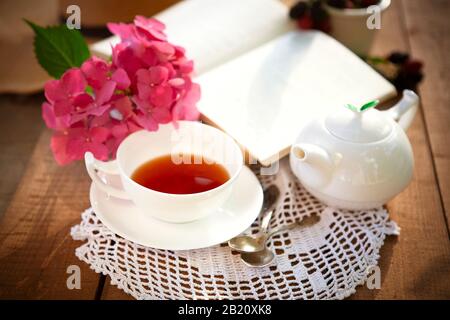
[376,60]
[58,48]
[351,107]
[368,105]
[89,90]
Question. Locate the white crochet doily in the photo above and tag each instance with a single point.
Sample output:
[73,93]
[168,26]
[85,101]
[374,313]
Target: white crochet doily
[325,261]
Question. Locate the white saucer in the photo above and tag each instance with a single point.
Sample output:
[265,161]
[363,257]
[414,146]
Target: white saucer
[237,214]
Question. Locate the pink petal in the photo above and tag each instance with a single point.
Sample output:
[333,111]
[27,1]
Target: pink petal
[105,93]
[58,144]
[53,92]
[148,78]
[161,115]
[99,134]
[48,115]
[158,75]
[164,48]
[176,82]
[82,101]
[123,30]
[190,100]
[146,122]
[99,110]
[170,68]
[100,151]
[96,72]
[179,51]
[124,106]
[124,57]
[120,131]
[149,57]
[120,77]
[151,23]
[144,90]
[141,104]
[162,96]
[117,51]
[77,131]
[184,66]
[62,107]
[73,81]
[82,105]
[143,76]
[186,108]
[113,144]
[152,29]
[133,126]
[53,122]
[76,147]
[101,120]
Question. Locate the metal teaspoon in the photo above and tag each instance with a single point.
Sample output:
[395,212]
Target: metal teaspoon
[245,243]
[265,256]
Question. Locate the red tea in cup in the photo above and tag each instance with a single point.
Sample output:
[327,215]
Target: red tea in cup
[197,174]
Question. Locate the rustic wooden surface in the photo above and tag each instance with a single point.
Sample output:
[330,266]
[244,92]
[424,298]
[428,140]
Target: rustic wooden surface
[40,201]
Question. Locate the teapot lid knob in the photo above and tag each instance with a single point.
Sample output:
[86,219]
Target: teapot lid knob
[359,125]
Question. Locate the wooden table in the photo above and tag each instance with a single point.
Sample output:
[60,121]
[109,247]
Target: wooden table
[40,201]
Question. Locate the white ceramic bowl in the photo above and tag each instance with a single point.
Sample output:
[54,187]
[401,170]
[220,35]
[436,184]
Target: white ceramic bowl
[349,26]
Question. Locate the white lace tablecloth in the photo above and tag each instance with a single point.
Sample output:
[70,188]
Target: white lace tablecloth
[325,261]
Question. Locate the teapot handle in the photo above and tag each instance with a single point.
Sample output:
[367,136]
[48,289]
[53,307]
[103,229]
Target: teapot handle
[405,110]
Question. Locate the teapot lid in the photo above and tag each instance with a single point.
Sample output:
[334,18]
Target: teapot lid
[359,125]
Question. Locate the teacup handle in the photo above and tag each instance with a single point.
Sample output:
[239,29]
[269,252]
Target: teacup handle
[110,168]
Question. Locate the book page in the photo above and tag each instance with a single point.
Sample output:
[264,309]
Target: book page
[215,31]
[265,97]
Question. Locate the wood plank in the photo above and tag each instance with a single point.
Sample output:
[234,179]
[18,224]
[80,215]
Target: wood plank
[416,265]
[36,246]
[428,27]
[111,292]
[21,125]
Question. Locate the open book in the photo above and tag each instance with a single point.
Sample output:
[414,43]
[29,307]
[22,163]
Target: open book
[261,79]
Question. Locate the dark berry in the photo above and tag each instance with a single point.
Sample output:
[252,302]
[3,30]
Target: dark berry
[324,26]
[316,4]
[305,22]
[405,80]
[412,66]
[398,57]
[337,3]
[368,3]
[416,77]
[317,12]
[298,10]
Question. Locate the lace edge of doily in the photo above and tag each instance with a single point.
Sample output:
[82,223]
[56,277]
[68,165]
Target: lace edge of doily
[390,228]
[77,233]
[396,231]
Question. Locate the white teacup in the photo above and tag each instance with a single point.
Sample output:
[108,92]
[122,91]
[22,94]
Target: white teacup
[189,138]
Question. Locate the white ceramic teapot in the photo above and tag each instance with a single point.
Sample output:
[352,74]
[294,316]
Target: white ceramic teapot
[357,158]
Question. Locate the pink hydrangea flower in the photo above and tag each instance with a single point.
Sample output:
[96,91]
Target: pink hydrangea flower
[147,83]
[73,143]
[97,72]
[62,94]
[150,29]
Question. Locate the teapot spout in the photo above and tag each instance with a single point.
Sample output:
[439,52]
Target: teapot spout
[314,165]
